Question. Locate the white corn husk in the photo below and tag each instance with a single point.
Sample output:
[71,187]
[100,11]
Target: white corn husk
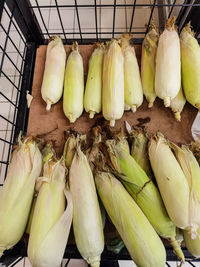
[17,192]
[51,222]
[113,83]
[191,170]
[87,221]
[148,64]
[133,94]
[177,104]
[171,181]
[93,89]
[53,79]
[190,65]
[168,64]
[141,240]
[73,85]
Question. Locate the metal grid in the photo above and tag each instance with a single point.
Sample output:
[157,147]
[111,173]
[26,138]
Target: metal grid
[25,24]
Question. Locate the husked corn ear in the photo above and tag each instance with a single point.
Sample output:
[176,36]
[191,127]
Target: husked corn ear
[74,85]
[87,221]
[190,65]
[177,104]
[191,170]
[139,150]
[192,245]
[53,78]
[168,64]
[92,97]
[144,192]
[113,83]
[171,181]
[141,240]
[133,93]
[16,195]
[51,221]
[148,64]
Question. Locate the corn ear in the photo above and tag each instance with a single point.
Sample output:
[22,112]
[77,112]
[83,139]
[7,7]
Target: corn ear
[148,64]
[51,221]
[133,93]
[48,153]
[16,195]
[144,192]
[170,177]
[139,150]
[113,83]
[73,85]
[191,170]
[190,65]
[87,221]
[53,78]
[92,97]
[192,245]
[177,104]
[141,240]
[168,64]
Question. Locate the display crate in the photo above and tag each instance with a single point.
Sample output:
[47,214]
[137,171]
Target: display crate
[25,27]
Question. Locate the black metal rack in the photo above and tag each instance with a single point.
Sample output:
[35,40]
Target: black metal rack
[26,19]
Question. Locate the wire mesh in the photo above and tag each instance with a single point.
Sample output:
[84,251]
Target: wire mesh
[86,23]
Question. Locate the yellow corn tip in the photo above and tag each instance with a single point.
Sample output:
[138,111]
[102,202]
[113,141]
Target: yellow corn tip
[73,85]
[148,61]
[141,240]
[53,78]
[88,233]
[24,168]
[93,89]
[133,94]
[190,63]
[69,150]
[113,83]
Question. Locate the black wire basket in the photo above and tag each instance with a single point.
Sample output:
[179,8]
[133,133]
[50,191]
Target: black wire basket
[24,27]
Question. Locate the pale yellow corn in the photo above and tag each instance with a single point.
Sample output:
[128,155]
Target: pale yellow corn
[171,181]
[133,93]
[53,78]
[16,195]
[73,85]
[141,240]
[191,170]
[93,89]
[144,192]
[190,65]
[148,64]
[87,221]
[113,83]
[168,64]
[51,222]
[177,104]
